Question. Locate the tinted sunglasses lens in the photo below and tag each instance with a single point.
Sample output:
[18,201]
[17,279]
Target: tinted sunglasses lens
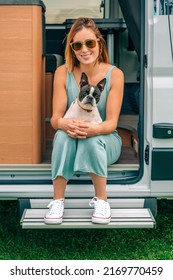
[90,44]
[76,46]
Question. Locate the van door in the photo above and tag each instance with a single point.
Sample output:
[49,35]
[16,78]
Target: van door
[160,96]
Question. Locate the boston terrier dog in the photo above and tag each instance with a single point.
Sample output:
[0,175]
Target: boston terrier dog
[85,105]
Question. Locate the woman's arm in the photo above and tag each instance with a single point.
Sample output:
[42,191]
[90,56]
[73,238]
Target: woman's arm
[114,102]
[60,104]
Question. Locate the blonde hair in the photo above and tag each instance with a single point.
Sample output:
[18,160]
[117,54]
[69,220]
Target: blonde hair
[79,24]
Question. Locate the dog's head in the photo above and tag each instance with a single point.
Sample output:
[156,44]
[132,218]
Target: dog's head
[89,95]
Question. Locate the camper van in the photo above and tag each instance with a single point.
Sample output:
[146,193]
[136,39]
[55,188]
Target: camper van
[139,38]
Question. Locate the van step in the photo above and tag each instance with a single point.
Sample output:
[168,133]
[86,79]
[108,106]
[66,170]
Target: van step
[84,202]
[81,218]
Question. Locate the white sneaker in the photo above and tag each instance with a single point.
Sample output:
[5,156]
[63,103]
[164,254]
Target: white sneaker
[102,211]
[55,212]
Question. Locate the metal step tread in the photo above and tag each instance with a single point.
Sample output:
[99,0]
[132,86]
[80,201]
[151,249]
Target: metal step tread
[84,202]
[81,218]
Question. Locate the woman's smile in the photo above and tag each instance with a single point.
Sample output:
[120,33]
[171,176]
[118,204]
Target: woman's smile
[86,55]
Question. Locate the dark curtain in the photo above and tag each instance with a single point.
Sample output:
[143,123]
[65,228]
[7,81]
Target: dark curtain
[131,10]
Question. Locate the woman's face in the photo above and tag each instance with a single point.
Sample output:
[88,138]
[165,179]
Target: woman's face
[86,55]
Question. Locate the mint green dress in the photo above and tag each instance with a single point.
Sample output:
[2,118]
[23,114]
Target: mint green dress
[91,155]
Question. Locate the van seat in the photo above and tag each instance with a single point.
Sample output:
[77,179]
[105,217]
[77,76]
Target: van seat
[53,61]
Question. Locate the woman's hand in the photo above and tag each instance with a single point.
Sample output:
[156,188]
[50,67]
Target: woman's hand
[73,127]
[82,129]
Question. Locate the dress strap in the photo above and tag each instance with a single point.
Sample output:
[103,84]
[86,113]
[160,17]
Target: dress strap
[110,70]
[108,78]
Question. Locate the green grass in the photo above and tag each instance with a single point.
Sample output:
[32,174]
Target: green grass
[114,244]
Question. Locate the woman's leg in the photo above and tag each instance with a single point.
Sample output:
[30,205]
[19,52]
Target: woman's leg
[102,210]
[112,146]
[94,154]
[59,185]
[100,186]
[63,155]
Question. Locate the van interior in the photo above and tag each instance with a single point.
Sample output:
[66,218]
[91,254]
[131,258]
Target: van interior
[26,89]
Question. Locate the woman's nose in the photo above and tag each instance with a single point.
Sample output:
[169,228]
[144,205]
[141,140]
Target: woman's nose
[84,48]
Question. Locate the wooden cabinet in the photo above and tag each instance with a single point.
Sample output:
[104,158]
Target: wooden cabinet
[21,82]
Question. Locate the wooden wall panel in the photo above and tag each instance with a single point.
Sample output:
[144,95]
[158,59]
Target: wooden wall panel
[21,84]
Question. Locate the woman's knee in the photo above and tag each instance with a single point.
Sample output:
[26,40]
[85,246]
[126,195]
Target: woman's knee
[91,144]
[63,145]
[61,138]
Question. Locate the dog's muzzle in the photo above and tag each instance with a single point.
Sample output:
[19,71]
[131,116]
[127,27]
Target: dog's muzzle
[89,100]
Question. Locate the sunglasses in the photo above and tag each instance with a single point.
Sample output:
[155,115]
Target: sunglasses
[90,43]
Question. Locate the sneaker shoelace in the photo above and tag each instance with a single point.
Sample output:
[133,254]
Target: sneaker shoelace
[99,206]
[55,207]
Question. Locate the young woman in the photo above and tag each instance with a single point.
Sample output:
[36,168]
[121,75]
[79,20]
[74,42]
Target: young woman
[79,145]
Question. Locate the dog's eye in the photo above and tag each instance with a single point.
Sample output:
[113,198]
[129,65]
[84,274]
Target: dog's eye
[96,96]
[84,93]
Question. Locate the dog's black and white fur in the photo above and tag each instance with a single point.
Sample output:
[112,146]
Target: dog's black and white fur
[85,106]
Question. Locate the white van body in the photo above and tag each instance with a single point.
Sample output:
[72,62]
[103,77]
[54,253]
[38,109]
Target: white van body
[133,187]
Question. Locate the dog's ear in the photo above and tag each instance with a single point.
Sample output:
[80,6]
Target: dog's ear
[83,80]
[101,84]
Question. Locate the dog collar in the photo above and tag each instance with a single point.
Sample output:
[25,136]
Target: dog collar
[87,110]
